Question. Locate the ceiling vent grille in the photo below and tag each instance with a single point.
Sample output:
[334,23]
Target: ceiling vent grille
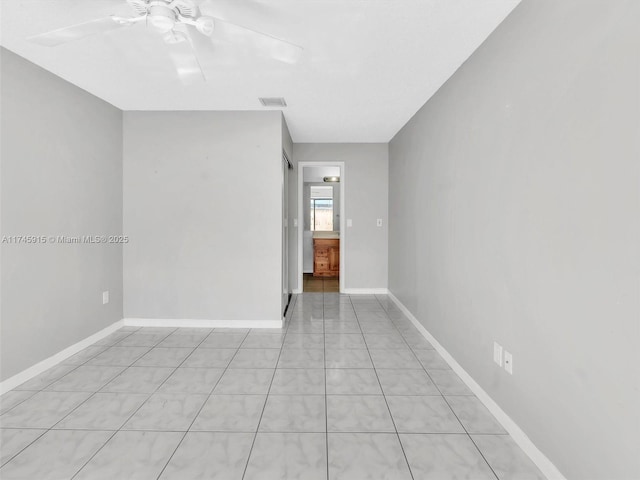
[273,102]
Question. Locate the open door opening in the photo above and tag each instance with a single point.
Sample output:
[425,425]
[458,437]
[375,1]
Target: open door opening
[321,217]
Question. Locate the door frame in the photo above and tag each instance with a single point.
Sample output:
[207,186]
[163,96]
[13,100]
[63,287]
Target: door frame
[343,220]
[286,281]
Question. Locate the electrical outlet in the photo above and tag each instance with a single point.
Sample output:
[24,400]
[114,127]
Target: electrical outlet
[497,353]
[508,362]
[379,222]
[105,297]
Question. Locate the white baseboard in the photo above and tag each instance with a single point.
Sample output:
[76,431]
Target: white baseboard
[18,379]
[540,459]
[197,323]
[365,291]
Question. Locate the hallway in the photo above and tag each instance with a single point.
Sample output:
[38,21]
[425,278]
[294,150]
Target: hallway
[257,404]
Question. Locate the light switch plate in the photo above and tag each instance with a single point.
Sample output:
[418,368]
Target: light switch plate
[349,222]
[497,353]
[105,297]
[295,222]
[379,222]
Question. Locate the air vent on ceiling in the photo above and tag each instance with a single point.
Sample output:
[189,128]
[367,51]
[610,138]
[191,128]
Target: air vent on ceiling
[273,102]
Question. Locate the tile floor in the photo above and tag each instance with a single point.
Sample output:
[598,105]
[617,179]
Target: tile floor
[349,390]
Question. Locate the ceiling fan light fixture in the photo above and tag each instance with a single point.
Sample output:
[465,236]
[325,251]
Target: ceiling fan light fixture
[180,24]
[162,18]
[205,25]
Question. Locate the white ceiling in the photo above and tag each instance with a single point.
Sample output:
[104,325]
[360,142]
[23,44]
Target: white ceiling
[367,67]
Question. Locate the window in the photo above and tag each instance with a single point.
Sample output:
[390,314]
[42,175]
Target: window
[322,214]
[321,208]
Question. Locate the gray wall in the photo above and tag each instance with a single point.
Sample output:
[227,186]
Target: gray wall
[287,144]
[61,175]
[366,199]
[288,247]
[202,203]
[515,215]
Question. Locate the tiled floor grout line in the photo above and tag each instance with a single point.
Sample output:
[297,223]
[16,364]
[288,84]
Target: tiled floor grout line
[149,395]
[115,431]
[383,394]
[33,392]
[266,399]
[471,439]
[205,401]
[414,354]
[445,399]
[25,447]
[279,394]
[46,430]
[141,404]
[253,431]
[102,446]
[75,367]
[370,322]
[324,364]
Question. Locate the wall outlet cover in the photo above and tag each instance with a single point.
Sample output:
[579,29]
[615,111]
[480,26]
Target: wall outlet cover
[508,362]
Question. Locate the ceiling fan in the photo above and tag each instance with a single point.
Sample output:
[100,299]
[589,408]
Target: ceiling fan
[182,26]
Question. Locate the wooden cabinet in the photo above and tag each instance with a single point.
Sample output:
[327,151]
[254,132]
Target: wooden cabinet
[326,257]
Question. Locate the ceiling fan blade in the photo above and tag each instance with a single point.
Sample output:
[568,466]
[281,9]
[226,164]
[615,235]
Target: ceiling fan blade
[80,30]
[184,58]
[274,47]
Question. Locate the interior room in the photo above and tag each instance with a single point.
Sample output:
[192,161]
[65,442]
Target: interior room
[337,240]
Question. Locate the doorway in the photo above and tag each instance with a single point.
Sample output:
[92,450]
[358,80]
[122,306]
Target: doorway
[321,240]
